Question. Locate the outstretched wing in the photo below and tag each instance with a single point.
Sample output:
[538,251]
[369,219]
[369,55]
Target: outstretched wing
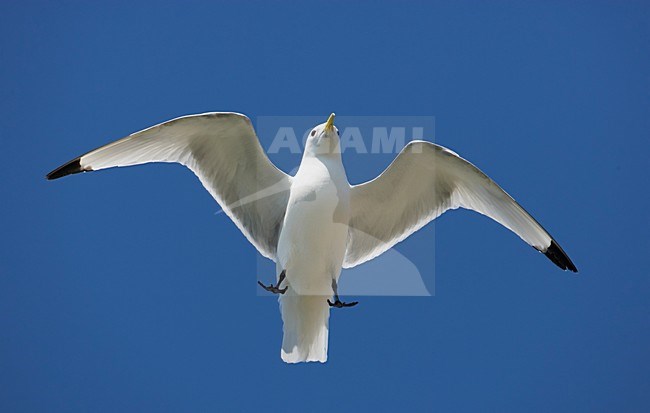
[224,152]
[424,181]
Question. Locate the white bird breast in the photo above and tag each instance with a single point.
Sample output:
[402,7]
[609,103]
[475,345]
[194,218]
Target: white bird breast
[313,239]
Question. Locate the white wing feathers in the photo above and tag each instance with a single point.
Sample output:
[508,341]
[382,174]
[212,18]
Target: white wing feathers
[224,152]
[424,181]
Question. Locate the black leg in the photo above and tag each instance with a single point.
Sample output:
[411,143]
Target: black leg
[275,289]
[338,303]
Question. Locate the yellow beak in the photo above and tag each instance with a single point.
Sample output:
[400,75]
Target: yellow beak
[329,126]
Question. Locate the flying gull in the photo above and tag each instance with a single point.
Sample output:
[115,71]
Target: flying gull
[315,223]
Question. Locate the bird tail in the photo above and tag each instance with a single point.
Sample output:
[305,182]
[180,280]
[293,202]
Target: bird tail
[306,327]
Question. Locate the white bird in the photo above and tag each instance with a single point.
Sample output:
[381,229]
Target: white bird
[314,224]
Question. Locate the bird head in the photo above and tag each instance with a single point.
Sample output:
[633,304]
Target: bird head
[323,139]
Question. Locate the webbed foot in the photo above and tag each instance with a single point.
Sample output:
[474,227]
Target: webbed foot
[340,304]
[275,289]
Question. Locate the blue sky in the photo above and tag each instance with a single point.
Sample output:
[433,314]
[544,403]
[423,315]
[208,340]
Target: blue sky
[123,291]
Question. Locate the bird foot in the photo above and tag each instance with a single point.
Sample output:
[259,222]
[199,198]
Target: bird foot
[274,289]
[340,304]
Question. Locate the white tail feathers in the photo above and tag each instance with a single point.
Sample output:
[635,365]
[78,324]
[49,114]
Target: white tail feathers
[306,327]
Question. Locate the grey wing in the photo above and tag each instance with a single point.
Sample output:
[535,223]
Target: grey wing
[424,181]
[223,151]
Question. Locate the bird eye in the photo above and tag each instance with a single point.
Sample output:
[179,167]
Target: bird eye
[313,132]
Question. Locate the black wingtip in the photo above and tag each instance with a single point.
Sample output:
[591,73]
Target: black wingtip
[72,167]
[556,254]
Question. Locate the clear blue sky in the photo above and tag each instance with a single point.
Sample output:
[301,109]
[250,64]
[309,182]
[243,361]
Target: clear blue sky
[123,291]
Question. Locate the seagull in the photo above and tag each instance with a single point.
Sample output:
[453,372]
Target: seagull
[315,223]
